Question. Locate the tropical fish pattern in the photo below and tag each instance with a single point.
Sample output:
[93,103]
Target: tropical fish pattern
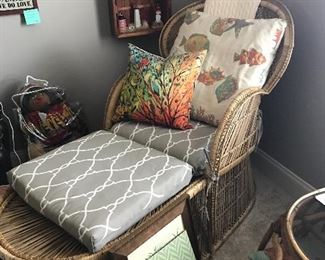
[196,43]
[251,57]
[240,53]
[226,89]
[190,17]
[277,37]
[221,26]
[210,77]
[159,91]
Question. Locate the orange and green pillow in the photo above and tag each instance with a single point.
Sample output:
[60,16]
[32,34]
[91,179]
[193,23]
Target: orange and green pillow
[159,91]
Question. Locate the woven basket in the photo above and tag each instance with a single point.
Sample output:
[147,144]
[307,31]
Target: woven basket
[227,190]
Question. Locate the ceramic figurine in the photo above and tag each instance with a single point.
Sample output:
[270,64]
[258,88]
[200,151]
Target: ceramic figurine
[158,23]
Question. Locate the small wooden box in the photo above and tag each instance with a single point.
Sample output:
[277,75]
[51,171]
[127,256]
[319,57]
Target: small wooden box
[147,12]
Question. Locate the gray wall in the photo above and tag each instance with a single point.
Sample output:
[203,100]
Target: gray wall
[72,48]
[294,114]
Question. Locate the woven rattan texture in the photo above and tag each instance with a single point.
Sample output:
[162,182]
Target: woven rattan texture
[229,202]
[25,234]
[229,199]
[237,134]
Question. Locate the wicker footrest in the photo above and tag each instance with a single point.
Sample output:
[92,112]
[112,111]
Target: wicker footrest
[100,185]
[26,234]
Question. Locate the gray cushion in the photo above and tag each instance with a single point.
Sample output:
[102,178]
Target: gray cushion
[100,185]
[186,145]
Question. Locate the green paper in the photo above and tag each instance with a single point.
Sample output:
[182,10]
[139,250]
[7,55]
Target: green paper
[179,248]
[32,16]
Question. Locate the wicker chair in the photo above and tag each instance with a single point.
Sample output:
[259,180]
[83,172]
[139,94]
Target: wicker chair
[227,190]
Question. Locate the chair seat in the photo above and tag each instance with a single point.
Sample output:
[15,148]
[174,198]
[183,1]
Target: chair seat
[186,145]
[99,186]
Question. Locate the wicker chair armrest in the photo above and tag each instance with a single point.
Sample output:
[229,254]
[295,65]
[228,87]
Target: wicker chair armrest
[237,134]
[111,102]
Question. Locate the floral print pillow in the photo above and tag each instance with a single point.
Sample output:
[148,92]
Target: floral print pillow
[159,91]
[240,53]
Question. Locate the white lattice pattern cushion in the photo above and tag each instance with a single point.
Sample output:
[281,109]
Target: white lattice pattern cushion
[100,185]
[186,145]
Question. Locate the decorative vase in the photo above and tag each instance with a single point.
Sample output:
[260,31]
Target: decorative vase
[137,18]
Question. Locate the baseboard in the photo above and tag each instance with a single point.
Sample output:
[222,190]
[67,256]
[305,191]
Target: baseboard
[284,177]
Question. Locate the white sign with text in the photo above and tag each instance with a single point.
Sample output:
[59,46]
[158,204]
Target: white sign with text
[9,5]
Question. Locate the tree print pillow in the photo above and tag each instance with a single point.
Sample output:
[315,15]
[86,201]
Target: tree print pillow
[159,91]
[240,53]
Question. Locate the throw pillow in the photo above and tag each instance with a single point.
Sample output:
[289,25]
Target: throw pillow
[157,90]
[240,53]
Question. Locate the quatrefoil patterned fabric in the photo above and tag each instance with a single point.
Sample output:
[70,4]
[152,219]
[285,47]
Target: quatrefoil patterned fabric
[100,185]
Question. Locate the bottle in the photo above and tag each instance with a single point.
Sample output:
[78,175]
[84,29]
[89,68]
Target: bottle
[122,24]
[137,18]
[157,23]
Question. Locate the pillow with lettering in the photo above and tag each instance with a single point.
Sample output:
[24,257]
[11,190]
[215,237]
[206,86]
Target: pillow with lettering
[240,53]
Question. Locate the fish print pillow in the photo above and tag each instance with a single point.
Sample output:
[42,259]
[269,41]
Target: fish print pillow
[159,91]
[240,53]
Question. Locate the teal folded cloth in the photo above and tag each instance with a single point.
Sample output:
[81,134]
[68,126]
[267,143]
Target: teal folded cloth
[259,255]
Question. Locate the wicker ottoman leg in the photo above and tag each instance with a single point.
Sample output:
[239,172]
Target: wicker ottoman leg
[228,204]
[199,215]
